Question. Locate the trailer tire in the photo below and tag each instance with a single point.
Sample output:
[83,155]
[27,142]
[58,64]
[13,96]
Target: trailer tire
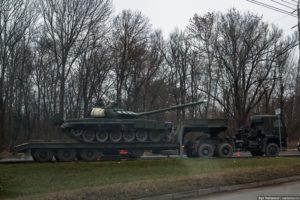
[225,150]
[89,154]
[136,153]
[65,155]
[42,155]
[272,150]
[205,150]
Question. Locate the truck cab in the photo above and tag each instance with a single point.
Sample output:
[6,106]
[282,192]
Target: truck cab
[264,135]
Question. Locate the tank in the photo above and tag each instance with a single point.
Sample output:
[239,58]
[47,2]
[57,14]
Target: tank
[114,125]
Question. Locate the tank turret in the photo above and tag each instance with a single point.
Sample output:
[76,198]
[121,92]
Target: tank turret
[116,113]
[114,125]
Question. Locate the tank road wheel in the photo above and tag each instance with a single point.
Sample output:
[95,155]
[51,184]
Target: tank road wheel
[272,150]
[166,137]
[89,154]
[65,155]
[128,135]
[102,136]
[225,150]
[115,136]
[154,136]
[42,155]
[88,136]
[76,132]
[141,135]
[205,150]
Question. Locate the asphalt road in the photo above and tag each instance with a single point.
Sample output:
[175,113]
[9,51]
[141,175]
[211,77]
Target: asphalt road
[275,192]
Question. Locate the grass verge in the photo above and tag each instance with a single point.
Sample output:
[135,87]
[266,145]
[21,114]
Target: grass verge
[135,179]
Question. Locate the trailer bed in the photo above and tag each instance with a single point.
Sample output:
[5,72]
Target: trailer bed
[71,145]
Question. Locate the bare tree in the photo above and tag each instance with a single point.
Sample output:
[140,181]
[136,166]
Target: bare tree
[177,58]
[203,34]
[247,50]
[130,34]
[68,24]
[16,18]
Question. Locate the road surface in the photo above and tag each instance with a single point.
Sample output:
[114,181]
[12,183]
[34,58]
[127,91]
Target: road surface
[288,191]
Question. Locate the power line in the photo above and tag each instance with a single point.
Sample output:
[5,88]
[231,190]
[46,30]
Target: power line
[289,3]
[272,7]
[282,4]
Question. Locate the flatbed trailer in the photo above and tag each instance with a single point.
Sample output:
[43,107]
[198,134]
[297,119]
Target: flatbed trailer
[66,150]
[196,138]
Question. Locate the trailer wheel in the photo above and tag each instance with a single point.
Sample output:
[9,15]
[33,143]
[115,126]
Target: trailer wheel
[89,154]
[65,155]
[225,150]
[42,155]
[141,135]
[205,150]
[136,153]
[257,153]
[272,150]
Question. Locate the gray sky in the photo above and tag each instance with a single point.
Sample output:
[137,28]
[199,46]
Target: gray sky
[168,14]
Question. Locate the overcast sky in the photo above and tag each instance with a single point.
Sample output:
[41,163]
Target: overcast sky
[168,14]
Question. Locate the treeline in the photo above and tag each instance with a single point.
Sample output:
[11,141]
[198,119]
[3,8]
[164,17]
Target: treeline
[62,56]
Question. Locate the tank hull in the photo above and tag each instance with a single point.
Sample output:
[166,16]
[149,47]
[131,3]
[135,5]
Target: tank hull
[101,130]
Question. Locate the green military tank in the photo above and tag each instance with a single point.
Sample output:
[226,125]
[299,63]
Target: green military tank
[114,125]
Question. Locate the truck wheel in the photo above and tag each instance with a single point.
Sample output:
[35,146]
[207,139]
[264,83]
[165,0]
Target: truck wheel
[257,153]
[65,155]
[225,150]
[272,150]
[89,154]
[205,151]
[88,136]
[42,155]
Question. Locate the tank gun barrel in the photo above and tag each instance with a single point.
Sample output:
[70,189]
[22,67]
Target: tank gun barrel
[170,108]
